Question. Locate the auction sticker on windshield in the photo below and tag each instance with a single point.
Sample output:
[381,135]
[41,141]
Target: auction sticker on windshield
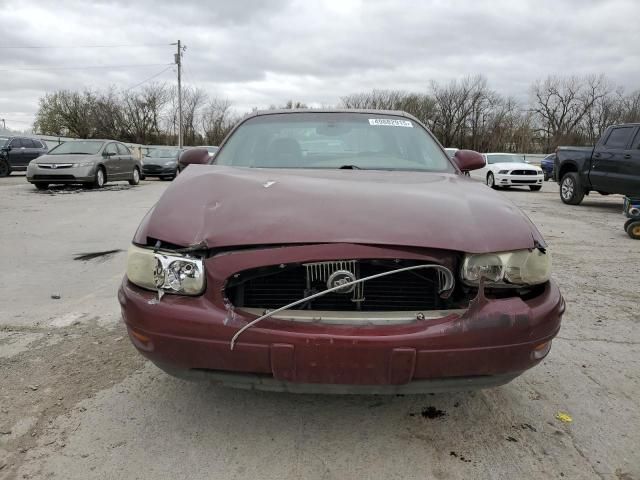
[390,123]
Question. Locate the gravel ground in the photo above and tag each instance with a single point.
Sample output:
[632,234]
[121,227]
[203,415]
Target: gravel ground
[77,401]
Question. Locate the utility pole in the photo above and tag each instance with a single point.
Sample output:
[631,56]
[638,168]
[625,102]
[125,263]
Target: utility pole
[178,61]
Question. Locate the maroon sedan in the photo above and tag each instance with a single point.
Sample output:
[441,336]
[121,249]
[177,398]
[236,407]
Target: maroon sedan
[339,251]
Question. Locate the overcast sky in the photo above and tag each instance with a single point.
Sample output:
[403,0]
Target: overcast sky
[259,52]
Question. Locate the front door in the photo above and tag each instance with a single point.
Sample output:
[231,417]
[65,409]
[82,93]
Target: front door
[608,160]
[631,167]
[112,162]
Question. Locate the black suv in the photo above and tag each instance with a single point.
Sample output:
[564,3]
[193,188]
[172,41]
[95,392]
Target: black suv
[17,152]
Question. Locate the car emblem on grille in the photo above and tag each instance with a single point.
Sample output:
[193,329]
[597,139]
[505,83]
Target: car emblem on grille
[53,165]
[340,277]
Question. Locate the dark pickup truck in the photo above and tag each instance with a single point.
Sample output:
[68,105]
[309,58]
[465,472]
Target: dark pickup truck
[612,166]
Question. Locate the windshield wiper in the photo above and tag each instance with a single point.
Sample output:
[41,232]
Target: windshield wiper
[350,167]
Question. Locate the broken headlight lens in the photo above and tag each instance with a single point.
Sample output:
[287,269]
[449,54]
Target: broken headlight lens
[504,269]
[165,271]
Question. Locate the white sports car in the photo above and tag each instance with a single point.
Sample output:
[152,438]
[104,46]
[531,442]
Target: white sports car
[509,170]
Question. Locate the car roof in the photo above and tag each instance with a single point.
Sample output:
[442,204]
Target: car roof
[502,153]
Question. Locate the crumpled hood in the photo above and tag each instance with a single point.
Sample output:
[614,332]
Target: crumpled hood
[515,166]
[226,206]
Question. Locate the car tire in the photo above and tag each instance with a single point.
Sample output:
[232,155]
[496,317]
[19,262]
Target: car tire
[41,186]
[100,178]
[535,188]
[571,191]
[632,227]
[491,181]
[603,193]
[5,167]
[135,177]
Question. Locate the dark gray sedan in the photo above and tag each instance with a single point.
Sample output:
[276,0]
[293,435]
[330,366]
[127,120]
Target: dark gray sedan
[162,163]
[91,163]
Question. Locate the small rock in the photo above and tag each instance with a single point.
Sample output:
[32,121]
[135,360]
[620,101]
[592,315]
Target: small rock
[56,296]
[118,339]
[33,387]
[5,431]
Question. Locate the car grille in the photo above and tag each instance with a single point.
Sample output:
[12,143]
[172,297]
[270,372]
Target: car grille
[152,168]
[523,172]
[53,177]
[523,181]
[54,166]
[274,287]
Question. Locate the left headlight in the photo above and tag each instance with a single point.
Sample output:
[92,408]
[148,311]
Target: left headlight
[166,271]
[507,269]
[170,163]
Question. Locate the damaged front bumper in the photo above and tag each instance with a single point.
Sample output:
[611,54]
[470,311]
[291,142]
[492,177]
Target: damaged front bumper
[487,344]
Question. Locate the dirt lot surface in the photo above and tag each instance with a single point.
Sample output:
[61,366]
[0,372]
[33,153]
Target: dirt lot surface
[78,402]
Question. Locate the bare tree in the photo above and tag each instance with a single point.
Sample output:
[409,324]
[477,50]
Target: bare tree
[216,121]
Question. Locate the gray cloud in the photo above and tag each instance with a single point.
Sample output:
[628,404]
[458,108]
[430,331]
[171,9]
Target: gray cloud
[258,53]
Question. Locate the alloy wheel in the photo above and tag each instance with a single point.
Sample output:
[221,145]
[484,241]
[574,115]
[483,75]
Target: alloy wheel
[567,188]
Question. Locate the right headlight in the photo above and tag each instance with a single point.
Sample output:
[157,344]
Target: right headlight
[165,271]
[507,269]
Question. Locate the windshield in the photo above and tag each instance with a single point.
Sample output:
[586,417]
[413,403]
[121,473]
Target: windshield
[505,159]
[163,153]
[77,148]
[369,141]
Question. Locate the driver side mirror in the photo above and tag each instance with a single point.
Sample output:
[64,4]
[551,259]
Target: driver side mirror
[467,160]
[108,154]
[199,156]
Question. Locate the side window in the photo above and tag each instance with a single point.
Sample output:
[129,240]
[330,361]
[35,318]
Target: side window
[33,143]
[16,143]
[111,148]
[619,137]
[122,149]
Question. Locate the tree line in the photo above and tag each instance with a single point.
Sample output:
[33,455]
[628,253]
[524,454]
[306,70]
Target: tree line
[463,113]
[148,116]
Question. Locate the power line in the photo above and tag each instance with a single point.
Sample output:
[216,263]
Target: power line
[4,47]
[150,78]
[15,121]
[83,67]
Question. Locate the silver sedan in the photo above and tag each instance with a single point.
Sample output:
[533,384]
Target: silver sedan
[91,163]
